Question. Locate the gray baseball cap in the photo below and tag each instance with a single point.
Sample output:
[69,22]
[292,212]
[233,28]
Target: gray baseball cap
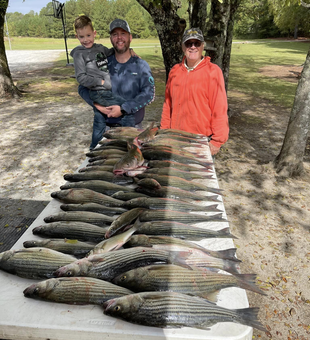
[119,23]
[192,33]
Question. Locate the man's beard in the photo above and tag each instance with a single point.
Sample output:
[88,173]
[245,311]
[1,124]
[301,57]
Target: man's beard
[122,50]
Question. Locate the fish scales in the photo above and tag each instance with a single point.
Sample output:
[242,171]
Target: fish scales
[93,207]
[98,175]
[83,216]
[177,165]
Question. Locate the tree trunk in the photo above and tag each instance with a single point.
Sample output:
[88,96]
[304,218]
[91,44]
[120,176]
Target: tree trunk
[197,11]
[170,28]
[289,162]
[7,88]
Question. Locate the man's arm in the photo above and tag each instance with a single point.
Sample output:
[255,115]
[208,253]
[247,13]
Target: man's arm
[165,122]
[145,94]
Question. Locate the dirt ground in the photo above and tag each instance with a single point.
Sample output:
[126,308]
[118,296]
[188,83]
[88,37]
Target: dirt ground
[42,140]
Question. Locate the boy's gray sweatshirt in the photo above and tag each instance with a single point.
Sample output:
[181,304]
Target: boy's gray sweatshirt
[91,66]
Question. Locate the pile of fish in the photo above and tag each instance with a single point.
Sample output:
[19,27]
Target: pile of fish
[127,236]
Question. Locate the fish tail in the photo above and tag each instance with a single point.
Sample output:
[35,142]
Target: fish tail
[249,317]
[229,254]
[247,281]
[225,233]
[231,267]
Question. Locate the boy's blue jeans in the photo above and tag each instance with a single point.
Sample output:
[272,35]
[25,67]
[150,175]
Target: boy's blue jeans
[99,124]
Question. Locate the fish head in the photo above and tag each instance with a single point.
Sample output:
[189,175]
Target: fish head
[40,289]
[130,161]
[132,278]
[77,268]
[123,307]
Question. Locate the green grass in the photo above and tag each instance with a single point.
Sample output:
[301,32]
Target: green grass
[247,60]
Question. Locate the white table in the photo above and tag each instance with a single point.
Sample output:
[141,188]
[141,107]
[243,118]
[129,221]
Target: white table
[23,318]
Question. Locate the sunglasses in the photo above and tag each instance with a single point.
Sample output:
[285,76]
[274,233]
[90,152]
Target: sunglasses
[189,44]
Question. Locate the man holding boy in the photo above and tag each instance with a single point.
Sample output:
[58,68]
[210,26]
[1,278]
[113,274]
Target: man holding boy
[131,79]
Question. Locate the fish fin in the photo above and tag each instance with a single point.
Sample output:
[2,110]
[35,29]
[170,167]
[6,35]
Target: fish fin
[249,317]
[212,297]
[227,254]
[247,281]
[179,258]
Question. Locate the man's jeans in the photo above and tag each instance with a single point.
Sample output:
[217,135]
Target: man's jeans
[99,125]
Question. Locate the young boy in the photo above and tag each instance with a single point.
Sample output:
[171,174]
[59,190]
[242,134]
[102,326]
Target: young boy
[91,64]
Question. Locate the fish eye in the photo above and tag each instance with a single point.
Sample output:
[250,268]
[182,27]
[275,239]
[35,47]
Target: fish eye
[117,308]
[123,278]
[69,273]
[36,290]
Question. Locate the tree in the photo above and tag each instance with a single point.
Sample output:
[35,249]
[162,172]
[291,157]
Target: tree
[289,162]
[7,87]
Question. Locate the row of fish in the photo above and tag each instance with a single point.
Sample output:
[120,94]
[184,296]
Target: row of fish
[126,238]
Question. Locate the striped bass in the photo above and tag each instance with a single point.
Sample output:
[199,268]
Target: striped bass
[170,309]
[33,263]
[98,175]
[67,246]
[108,265]
[194,281]
[85,196]
[103,187]
[93,207]
[82,216]
[75,290]
[180,230]
[72,230]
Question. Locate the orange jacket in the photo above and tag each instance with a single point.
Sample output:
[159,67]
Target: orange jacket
[196,101]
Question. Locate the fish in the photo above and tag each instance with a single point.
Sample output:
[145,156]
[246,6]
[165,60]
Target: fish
[171,309]
[133,159]
[141,240]
[114,143]
[198,154]
[98,175]
[108,168]
[178,216]
[123,220]
[72,230]
[171,192]
[126,196]
[85,195]
[108,265]
[148,182]
[168,204]
[180,183]
[180,166]
[152,154]
[75,290]
[147,135]
[67,246]
[180,230]
[174,142]
[112,243]
[103,187]
[93,207]
[105,152]
[82,216]
[33,263]
[188,175]
[182,133]
[178,279]
[107,161]
[124,133]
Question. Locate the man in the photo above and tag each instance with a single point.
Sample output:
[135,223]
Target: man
[131,79]
[195,97]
